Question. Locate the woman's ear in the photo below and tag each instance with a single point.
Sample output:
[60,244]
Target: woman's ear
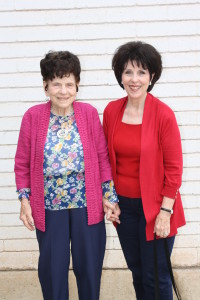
[77,86]
[152,76]
[45,86]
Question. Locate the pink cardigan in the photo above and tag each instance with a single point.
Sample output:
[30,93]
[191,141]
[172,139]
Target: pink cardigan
[30,155]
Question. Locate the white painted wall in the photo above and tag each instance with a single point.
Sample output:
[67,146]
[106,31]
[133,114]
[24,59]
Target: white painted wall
[93,29]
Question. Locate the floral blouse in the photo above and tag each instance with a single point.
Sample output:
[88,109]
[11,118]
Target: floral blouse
[63,167]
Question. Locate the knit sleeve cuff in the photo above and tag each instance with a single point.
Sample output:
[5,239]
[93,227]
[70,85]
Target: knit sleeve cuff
[170,192]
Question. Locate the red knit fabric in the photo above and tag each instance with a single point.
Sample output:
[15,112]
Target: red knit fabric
[127,146]
[160,160]
[30,156]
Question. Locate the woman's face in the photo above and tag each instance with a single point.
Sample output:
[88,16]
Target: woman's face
[62,92]
[135,80]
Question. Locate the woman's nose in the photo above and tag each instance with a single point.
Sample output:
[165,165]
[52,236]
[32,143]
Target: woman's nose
[63,89]
[134,77]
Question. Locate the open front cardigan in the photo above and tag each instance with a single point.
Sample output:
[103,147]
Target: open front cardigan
[160,159]
[30,156]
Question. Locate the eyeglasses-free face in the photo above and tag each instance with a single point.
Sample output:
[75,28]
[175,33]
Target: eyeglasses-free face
[62,92]
[135,80]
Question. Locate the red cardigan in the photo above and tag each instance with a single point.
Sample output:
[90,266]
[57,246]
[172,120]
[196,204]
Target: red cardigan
[160,161]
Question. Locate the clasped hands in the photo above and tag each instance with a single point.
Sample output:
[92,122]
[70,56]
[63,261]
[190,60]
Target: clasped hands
[111,210]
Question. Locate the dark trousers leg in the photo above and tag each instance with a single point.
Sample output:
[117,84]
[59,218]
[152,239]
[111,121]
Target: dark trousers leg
[139,253]
[128,232]
[54,245]
[88,248]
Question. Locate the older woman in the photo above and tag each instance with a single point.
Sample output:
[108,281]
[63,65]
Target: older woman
[145,152]
[61,168]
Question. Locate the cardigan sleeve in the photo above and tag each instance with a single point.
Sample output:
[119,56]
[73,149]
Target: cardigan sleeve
[172,155]
[105,123]
[22,157]
[102,150]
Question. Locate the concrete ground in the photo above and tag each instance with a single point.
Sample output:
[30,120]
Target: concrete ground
[116,285]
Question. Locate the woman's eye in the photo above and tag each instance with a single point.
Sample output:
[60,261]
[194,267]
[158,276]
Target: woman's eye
[128,72]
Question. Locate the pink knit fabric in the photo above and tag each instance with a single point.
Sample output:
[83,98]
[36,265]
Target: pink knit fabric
[30,156]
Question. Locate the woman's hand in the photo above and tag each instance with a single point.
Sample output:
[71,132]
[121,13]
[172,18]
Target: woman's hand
[26,214]
[162,224]
[111,210]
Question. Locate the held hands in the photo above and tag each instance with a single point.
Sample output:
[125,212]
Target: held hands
[26,214]
[162,224]
[111,210]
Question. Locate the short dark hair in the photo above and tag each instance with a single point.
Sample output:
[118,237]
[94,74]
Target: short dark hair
[143,54]
[60,64]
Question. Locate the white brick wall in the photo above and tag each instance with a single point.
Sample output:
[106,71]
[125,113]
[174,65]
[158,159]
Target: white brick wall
[93,29]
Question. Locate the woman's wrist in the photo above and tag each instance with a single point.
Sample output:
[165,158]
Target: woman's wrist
[168,203]
[170,211]
[24,199]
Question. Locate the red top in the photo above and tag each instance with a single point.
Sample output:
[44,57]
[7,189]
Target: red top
[127,146]
[161,162]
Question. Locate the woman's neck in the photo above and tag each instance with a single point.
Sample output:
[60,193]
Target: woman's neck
[136,104]
[133,112]
[59,111]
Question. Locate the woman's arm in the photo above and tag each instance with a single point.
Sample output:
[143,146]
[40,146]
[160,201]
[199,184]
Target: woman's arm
[22,157]
[105,123]
[111,210]
[22,171]
[102,149]
[110,201]
[172,156]
[173,165]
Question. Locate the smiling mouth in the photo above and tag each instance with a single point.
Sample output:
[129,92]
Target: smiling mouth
[134,88]
[63,99]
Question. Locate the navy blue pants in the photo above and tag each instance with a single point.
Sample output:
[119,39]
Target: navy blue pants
[139,253]
[87,248]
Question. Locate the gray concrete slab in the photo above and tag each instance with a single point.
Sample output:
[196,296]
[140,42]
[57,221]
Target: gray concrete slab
[24,285]
[116,285]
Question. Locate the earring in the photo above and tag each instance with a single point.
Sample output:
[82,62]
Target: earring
[149,83]
[47,98]
[122,85]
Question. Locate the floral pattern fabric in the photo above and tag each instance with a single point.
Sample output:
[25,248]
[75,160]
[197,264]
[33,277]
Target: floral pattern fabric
[64,180]
[63,167]
[23,193]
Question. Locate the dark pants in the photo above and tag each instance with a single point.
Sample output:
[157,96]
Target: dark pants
[87,248]
[139,253]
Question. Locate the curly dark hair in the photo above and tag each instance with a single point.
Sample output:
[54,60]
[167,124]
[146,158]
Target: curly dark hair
[144,54]
[59,64]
